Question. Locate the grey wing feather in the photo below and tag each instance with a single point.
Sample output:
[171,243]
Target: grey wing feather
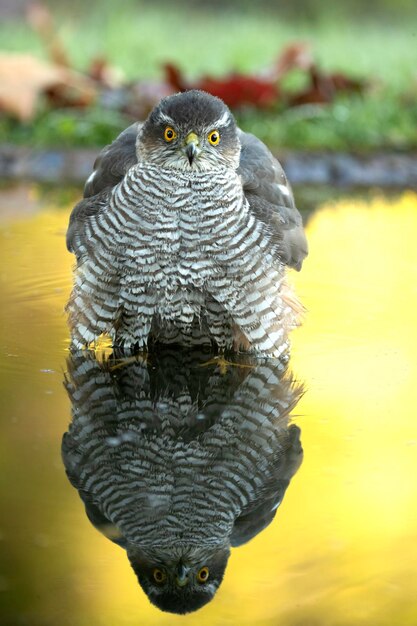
[109,169]
[80,215]
[72,458]
[113,162]
[260,513]
[271,199]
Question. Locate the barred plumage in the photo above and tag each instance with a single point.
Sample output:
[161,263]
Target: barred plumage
[177,461]
[186,249]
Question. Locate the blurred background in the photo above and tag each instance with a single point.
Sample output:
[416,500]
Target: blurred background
[305,74]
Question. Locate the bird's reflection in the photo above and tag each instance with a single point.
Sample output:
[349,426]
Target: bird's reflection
[178,459]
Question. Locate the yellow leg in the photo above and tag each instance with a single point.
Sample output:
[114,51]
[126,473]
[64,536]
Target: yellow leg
[223,364]
[141,357]
[102,347]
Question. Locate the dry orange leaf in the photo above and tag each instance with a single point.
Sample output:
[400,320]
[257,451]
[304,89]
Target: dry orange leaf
[23,78]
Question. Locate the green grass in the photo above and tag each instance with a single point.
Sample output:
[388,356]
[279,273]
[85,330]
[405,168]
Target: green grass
[139,39]
[350,123]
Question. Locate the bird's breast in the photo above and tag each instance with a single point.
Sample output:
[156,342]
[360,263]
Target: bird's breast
[180,209]
[172,226]
[178,235]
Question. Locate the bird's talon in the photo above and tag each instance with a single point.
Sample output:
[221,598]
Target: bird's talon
[223,364]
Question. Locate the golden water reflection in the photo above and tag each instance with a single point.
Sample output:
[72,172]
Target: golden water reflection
[343,547]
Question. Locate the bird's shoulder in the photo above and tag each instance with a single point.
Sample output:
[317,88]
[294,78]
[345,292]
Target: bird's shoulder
[260,511]
[109,170]
[81,213]
[113,162]
[271,199]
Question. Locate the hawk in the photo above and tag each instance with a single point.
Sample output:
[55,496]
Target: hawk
[178,462]
[184,234]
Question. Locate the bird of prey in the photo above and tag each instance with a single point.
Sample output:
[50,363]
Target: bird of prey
[178,462]
[184,234]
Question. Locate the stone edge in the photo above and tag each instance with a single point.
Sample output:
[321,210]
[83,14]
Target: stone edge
[73,166]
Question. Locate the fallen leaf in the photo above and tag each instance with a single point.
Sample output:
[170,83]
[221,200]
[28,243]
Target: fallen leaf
[105,74]
[174,78]
[24,78]
[238,90]
[40,19]
[294,56]
[141,97]
[235,89]
[324,87]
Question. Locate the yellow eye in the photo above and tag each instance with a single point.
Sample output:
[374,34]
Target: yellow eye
[159,576]
[203,575]
[214,137]
[169,134]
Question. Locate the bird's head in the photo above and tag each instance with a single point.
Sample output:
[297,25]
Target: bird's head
[191,130]
[183,581]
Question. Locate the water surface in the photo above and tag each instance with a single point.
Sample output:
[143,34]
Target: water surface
[343,546]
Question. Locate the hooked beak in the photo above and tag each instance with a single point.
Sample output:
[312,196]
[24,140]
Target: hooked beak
[182,575]
[192,149]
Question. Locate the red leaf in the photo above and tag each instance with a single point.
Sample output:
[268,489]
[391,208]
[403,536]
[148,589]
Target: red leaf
[174,78]
[294,56]
[324,87]
[235,90]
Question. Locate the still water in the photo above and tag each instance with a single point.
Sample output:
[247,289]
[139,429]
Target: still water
[342,549]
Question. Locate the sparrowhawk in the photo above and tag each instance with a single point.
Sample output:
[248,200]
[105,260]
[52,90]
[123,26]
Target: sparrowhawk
[178,462]
[184,234]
